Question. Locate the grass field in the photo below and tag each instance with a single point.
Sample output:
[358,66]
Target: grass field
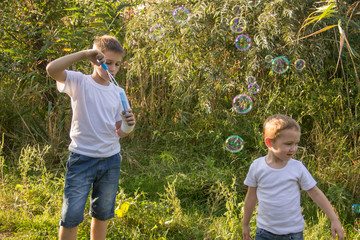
[166,192]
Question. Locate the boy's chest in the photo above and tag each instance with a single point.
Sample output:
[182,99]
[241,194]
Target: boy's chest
[269,179]
[105,102]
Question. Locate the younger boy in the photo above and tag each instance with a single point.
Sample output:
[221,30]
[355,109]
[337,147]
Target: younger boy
[98,122]
[274,182]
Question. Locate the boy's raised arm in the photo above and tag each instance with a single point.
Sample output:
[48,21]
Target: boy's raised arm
[249,206]
[56,69]
[321,200]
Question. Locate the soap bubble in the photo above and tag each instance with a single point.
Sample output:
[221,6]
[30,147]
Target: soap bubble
[356,208]
[300,64]
[254,88]
[237,25]
[157,31]
[243,42]
[181,15]
[250,80]
[234,144]
[254,3]
[269,58]
[242,104]
[280,64]
[237,10]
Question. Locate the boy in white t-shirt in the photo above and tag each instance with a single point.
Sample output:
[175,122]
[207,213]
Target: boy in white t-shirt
[98,121]
[274,183]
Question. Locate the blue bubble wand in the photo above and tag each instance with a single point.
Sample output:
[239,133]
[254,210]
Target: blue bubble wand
[113,80]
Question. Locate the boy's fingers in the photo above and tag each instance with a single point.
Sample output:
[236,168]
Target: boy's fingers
[333,234]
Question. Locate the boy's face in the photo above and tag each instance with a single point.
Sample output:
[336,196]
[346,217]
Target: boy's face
[285,145]
[113,61]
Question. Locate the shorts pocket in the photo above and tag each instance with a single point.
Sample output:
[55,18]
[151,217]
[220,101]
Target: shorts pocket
[259,231]
[73,158]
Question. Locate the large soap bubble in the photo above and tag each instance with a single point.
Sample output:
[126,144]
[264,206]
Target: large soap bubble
[237,25]
[237,10]
[243,42]
[269,58]
[300,64]
[181,15]
[234,144]
[254,88]
[280,64]
[356,208]
[242,104]
[157,31]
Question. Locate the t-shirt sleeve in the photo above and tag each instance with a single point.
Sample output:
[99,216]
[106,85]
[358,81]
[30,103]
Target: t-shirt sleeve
[72,81]
[307,181]
[250,179]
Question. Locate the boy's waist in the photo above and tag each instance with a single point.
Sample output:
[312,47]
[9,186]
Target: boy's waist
[98,150]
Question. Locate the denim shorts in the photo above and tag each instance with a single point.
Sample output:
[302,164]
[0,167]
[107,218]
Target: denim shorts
[262,234]
[82,174]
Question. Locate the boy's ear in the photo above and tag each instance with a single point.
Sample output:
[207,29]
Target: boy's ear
[268,142]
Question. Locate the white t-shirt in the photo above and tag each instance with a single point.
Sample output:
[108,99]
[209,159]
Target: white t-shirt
[95,110]
[278,193]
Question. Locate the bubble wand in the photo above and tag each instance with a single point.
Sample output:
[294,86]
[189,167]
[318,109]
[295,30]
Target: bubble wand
[113,80]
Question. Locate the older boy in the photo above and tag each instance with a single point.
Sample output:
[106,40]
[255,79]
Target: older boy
[98,122]
[274,182]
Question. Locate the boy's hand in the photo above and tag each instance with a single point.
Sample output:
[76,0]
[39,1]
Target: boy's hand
[129,117]
[337,229]
[246,232]
[95,56]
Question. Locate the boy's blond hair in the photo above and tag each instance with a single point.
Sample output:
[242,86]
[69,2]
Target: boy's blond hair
[108,43]
[273,125]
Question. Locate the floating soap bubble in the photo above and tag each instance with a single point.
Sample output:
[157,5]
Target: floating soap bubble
[243,42]
[300,64]
[181,15]
[254,3]
[237,25]
[237,10]
[242,104]
[234,144]
[269,58]
[356,208]
[157,31]
[280,64]
[250,80]
[254,88]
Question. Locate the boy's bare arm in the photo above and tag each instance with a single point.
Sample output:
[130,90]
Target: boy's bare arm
[249,206]
[56,69]
[321,200]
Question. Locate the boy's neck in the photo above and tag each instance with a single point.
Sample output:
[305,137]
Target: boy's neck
[274,162]
[98,79]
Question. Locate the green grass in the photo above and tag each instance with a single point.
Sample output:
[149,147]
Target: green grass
[171,194]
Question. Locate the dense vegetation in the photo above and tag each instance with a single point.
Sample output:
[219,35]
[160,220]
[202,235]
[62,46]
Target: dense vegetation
[178,181]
